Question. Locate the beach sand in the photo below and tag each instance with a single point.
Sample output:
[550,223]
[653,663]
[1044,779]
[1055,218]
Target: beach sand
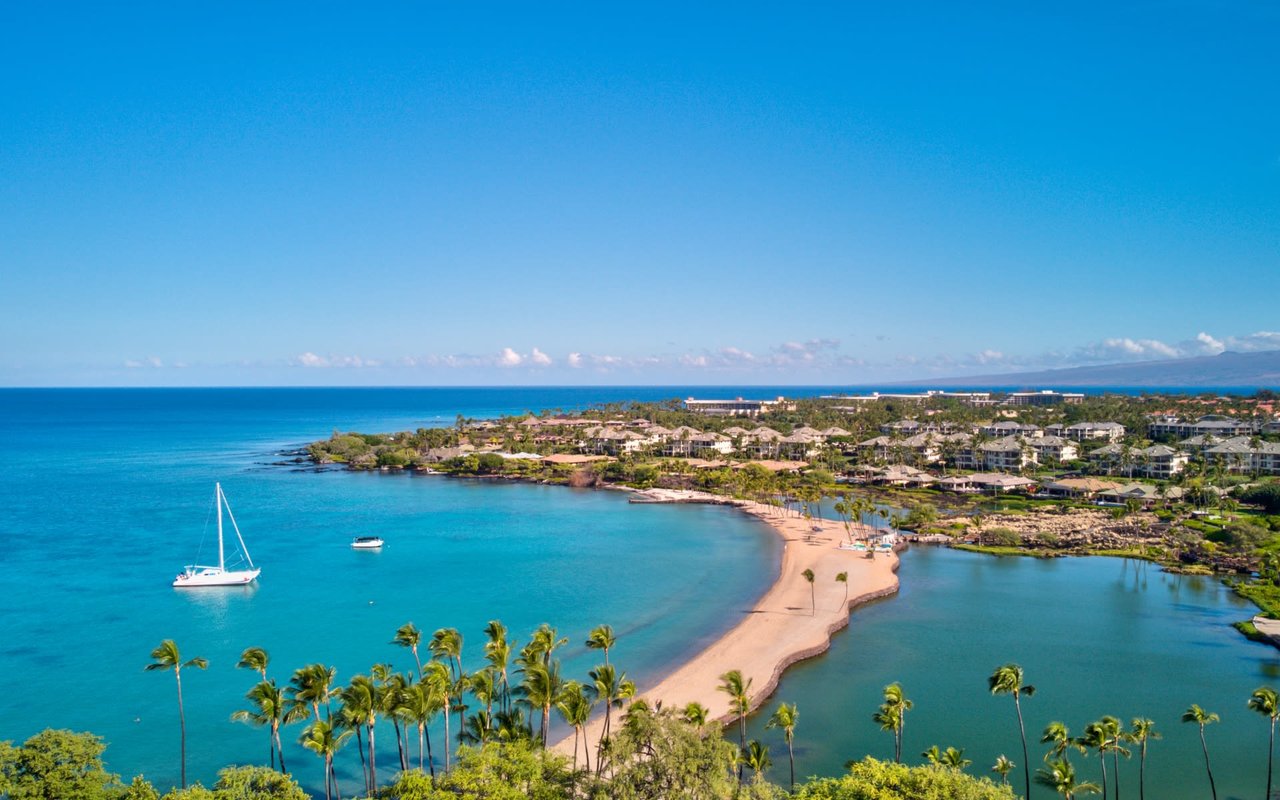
[780,629]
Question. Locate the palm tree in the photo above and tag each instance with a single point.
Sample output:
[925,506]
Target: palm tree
[497,651]
[843,577]
[391,688]
[1095,738]
[1059,738]
[256,659]
[310,686]
[574,705]
[361,703]
[419,706]
[757,757]
[325,741]
[166,657]
[542,643]
[1265,701]
[612,689]
[733,684]
[1199,716]
[785,718]
[695,714]
[892,716]
[602,638]
[270,710]
[1141,730]
[1008,680]
[1059,775]
[540,687]
[440,685]
[1003,767]
[446,644]
[1116,735]
[408,635]
[813,603]
[954,759]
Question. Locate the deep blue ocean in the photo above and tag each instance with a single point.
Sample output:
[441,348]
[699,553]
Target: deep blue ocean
[105,494]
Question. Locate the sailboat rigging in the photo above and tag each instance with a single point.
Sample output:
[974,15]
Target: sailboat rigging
[194,575]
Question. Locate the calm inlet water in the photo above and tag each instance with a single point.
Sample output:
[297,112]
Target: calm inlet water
[1095,636]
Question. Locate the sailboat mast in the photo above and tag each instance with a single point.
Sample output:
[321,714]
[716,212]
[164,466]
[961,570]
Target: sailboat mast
[221,559]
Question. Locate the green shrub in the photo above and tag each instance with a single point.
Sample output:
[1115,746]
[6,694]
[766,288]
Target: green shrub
[870,779]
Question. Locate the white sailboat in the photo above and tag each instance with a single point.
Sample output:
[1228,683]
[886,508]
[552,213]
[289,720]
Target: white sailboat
[195,575]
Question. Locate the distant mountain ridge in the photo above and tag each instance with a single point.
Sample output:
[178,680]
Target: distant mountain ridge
[1229,369]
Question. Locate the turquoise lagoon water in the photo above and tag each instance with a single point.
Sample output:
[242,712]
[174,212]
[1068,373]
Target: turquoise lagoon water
[106,494]
[1095,636]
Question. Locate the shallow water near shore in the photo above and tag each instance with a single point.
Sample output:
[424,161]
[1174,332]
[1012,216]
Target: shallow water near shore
[1095,636]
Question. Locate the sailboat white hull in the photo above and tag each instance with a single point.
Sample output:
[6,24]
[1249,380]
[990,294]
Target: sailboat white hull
[194,575]
[212,576]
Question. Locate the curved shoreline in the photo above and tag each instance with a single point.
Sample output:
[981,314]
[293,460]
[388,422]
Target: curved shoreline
[779,629]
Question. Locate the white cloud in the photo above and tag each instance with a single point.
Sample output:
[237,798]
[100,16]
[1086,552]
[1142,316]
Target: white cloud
[540,358]
[510,358]
[311,360]
[575,360]
[150,362]
[1211,345]
[1254,342]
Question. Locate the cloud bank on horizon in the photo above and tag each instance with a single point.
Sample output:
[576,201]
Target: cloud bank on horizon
[813,361]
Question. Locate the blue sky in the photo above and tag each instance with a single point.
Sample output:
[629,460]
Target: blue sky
[687,193]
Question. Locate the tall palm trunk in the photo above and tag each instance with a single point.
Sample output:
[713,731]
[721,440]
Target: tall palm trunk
[373,769]
[182,728]
[431,759]
[400,743]
[1102,756]
[364,762]
[447,712]
[1115,763]
[1142,772]
[1026,764]
[1271,746]
[1203,746]
[791,756]
[279,748]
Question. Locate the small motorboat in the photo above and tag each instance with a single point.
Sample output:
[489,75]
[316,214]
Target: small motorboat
[366,543]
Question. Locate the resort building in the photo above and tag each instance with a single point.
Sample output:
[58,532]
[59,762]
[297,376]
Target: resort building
[1044,397]
[992,483]
[1051,449]
[1010,428]
[1159,461]
[1088,431]
[1215,424]
[968,398]
[737,407]
[1077,488]
[1244,455]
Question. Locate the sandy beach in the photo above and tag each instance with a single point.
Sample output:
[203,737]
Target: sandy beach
[779,629]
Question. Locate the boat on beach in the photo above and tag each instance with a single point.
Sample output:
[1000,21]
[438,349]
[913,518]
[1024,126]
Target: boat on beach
[197,575]
[367,543]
